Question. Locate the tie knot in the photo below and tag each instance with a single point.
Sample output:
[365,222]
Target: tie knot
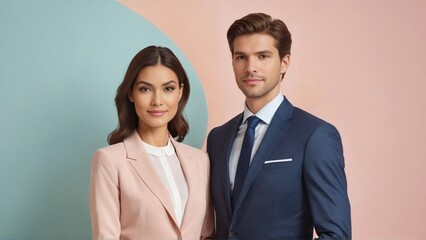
[252,121]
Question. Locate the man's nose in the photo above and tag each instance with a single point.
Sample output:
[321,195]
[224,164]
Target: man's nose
[251,65]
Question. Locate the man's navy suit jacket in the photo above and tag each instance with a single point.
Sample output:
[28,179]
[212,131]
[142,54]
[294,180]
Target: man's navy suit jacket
[285,199]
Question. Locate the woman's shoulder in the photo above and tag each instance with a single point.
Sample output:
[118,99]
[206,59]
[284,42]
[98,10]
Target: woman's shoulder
[188,149]
[110,153]
[197,158]
[112,149]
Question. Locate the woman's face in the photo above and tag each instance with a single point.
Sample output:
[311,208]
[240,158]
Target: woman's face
[156,94]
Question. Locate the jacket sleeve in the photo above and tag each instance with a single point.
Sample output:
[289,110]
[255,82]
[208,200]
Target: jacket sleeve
[326,185]
[104,197]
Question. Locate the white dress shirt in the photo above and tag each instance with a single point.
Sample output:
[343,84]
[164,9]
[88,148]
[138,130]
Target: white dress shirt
[265,114]
[168,168]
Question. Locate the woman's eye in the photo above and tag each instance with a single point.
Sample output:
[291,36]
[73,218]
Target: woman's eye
[144,89]
[169,89]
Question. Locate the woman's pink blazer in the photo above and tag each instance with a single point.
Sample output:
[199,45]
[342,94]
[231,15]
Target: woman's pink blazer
[129,201]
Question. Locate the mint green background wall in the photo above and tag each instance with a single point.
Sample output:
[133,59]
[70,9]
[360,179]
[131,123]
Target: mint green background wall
[60,65]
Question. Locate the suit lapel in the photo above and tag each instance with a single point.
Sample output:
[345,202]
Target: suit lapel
[227,144]
[147,172]
[276,130]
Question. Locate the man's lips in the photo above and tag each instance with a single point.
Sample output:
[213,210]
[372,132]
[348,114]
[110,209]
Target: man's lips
[252,81]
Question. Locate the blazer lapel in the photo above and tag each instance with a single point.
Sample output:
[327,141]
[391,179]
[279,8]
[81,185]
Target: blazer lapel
[147,172]
[190,176]
[276,130]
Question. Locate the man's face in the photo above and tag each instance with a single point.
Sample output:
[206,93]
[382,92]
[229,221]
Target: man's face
[257,67]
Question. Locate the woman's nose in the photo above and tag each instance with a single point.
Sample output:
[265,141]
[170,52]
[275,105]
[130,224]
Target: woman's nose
[156,99]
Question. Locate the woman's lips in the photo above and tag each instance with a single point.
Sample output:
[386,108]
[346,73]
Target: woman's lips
[157,113]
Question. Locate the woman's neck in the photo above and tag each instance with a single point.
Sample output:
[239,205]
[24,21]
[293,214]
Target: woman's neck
[155,137]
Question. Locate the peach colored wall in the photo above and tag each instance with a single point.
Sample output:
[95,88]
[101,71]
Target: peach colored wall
[356,64]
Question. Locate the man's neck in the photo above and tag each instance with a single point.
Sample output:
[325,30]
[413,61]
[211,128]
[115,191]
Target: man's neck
[255,104]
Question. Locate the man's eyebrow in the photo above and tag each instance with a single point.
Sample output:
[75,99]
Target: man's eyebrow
[264,52]
[257,53]
[239,53]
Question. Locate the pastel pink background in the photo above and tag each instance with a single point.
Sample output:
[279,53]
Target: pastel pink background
[359,65]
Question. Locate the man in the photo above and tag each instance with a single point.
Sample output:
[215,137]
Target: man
[280,174]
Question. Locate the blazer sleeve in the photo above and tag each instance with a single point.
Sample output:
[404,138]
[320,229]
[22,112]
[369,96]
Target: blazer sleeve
[326,185]
[207,231]
[104,197]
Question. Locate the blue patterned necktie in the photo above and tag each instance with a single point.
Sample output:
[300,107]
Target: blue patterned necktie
[244,160]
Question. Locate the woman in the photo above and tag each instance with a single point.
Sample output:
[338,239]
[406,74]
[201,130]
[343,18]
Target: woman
[146,184]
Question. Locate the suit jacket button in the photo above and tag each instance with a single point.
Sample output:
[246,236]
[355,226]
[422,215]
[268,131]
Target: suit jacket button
[232,234]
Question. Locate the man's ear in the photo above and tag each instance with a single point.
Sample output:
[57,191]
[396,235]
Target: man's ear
[284,63]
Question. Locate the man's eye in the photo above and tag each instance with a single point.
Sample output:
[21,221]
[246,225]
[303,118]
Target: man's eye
[263,56]
[239,58]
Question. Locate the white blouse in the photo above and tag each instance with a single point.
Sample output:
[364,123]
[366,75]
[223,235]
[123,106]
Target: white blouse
[167,164]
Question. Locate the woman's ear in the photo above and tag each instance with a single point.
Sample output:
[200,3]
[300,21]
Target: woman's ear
[130,96]
[181,91]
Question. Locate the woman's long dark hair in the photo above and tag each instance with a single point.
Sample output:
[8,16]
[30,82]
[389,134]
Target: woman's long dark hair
[127,117]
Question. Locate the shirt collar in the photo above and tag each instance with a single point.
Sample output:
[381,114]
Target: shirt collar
[267,112]
[168,150]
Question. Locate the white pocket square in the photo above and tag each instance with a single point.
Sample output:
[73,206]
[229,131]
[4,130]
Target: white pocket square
[279,160]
